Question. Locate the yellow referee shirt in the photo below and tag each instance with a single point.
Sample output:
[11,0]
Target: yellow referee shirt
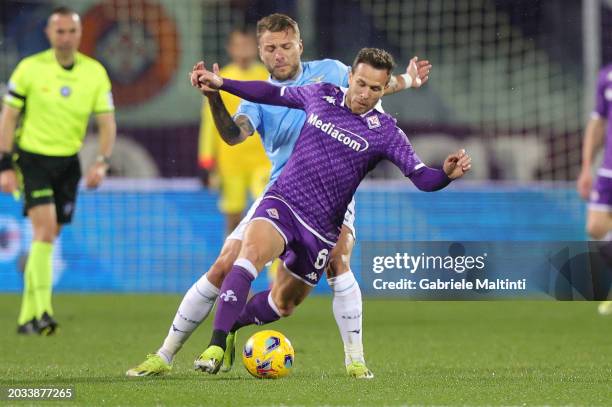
[57,102]
[246,155]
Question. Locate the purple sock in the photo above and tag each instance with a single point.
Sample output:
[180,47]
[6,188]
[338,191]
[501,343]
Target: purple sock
[233,297]
[257,311]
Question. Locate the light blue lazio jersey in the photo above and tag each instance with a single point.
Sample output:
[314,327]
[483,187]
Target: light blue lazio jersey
[279,127]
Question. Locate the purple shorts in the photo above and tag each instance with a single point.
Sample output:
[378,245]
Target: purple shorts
[306,252]
[601,195]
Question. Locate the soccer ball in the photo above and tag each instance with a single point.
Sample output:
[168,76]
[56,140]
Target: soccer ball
[268,355]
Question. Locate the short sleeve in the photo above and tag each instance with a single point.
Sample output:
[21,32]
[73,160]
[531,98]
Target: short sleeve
[601,103]
[104,97]
[18,87]
[343,72]
[252,111]
[400,152]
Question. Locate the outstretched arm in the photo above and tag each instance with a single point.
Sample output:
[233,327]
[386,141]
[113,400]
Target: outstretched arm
[232,131]
[431,179]
[253,91]
[417,73]
[261,92]
[400,152]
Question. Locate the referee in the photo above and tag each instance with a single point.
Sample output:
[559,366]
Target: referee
[51,95]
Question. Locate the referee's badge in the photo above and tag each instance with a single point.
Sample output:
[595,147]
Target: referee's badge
[373,122]
[65,91]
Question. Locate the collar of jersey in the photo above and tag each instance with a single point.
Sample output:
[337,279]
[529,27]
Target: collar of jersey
[378,106]
[57,64]
[291,81]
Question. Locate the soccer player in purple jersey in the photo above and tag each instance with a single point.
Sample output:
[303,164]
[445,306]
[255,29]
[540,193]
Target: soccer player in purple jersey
[280,49]
[597,135]
[300,217]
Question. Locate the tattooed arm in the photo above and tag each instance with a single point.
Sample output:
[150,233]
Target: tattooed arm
[232,131]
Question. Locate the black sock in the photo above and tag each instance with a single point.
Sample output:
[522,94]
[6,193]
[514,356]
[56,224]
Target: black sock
[236,326]
[218,338]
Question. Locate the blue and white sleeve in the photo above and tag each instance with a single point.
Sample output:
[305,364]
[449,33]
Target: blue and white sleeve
[343,72]
[252,111]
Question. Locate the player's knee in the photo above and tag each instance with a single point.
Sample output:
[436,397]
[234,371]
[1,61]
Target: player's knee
[47,238]
[596,230]
[284,307]
[253,253]
[338,265]
[45,232]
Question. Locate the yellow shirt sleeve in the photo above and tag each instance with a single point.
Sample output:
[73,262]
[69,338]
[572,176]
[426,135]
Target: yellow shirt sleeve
[18,86]
[104,99]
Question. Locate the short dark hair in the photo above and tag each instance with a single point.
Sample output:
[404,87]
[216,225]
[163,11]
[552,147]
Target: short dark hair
[62,11]
[277,23]
[376,58]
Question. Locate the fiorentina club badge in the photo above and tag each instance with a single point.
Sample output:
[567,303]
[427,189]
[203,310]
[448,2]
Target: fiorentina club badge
[273,213]
[373,122]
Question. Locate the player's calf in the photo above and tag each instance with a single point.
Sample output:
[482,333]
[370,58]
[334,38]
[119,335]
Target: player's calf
[340,256]
[223,264]
[283,305]
[288,291]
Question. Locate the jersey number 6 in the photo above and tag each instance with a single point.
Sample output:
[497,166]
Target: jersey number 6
[321,259]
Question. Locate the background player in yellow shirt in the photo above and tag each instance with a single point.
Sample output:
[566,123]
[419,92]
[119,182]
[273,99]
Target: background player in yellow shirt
[53,93]
[242,169]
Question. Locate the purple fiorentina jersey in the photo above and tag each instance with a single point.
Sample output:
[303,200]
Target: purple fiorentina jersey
[335,151]
[604,110]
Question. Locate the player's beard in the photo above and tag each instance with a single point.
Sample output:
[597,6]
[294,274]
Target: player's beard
[284,77]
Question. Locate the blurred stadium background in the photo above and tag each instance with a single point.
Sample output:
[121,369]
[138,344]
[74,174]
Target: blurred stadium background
[512,82]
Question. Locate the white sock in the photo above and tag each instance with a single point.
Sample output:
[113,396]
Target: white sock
[348,313]
[195,307]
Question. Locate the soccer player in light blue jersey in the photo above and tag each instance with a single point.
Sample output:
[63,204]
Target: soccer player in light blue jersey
[280,49]
[301,215]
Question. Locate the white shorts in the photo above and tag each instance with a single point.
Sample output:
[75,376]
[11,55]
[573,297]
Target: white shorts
[238,233]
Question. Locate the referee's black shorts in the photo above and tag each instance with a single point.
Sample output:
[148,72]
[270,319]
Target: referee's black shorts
[47,179]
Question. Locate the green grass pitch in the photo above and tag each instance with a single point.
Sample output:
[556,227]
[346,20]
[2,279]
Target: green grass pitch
[422,353]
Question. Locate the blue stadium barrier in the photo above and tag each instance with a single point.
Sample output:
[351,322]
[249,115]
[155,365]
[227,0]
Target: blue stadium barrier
[160,238]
